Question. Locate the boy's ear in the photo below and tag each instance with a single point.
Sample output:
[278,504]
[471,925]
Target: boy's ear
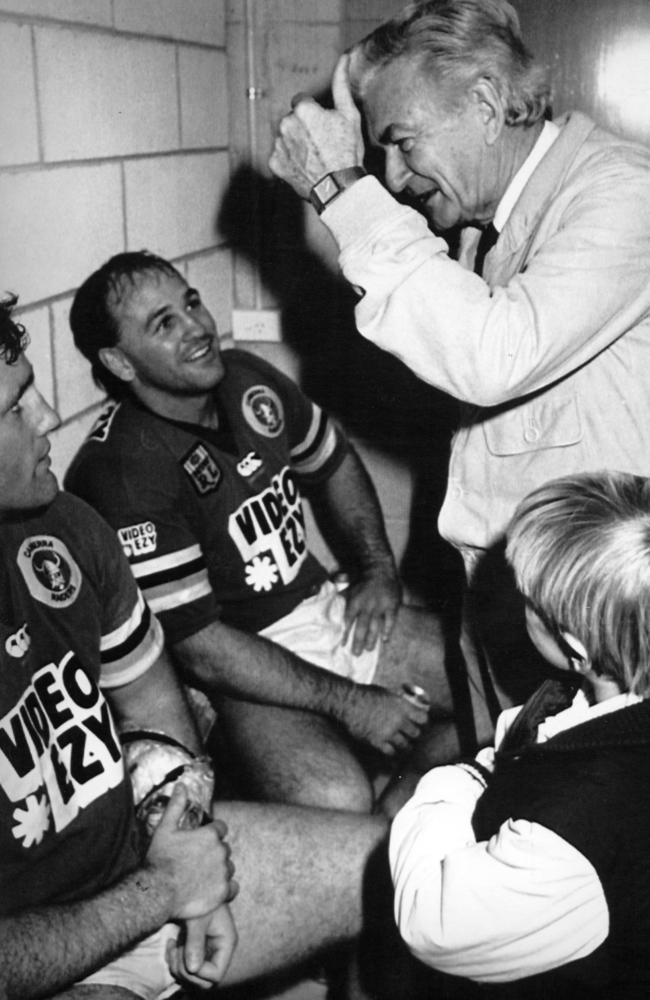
[578,648]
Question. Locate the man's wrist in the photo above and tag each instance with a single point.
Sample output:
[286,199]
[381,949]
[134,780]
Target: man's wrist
[379,567]
[340,698]
[331,185]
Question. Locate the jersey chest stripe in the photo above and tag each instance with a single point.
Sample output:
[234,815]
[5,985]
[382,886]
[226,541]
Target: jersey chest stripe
[181,557]
[168,598]
[171,573]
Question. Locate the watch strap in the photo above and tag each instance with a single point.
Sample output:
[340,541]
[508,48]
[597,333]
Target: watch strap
[331,185]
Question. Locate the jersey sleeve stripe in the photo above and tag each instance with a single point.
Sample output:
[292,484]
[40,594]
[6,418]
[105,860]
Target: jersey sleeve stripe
[309,463]
[114,640]
[313,438]
[170,596]
[134,660]
[315,428]
[130,642]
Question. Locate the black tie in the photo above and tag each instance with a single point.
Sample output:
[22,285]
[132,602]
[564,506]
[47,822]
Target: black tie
[487,239]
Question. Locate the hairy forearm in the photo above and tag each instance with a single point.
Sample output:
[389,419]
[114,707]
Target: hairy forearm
[220,659]
[349,500]
[46,949]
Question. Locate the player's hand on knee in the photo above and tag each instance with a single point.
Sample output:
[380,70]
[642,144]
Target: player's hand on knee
[195,864]
[371,608]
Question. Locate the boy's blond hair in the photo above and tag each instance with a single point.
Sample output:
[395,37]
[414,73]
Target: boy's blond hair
[580,550]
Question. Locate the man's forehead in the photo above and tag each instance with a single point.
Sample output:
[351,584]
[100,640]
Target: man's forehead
[401,94]
[135,293]
[392,94]
[15,377]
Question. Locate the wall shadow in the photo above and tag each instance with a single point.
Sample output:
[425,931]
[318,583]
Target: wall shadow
[375,396]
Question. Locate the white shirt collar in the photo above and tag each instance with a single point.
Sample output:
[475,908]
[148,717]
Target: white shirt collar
[581,711]
[547,137]
[578,711]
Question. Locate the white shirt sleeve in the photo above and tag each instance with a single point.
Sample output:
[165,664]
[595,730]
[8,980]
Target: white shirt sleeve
[484,346]
[520,904]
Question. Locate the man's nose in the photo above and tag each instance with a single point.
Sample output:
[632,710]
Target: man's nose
[192,325]
[397,172]
[47,419]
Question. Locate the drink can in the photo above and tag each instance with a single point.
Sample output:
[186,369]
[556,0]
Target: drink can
[416,695]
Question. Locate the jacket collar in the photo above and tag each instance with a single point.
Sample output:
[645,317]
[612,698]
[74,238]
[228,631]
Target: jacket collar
[545,179]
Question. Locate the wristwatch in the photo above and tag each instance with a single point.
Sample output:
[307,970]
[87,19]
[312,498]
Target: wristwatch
[331,185]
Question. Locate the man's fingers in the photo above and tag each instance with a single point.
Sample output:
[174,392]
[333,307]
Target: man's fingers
[365,634]
[175,807]
[389,623]
[194,947]
[300,96]
[341,93]
[411,730]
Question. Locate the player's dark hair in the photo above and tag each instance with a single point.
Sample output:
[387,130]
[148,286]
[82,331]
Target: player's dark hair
[13,336]
[92,318]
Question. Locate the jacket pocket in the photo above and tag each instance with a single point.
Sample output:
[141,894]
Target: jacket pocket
[545,422]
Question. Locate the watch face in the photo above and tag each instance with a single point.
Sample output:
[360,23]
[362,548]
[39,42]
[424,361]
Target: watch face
[326,189]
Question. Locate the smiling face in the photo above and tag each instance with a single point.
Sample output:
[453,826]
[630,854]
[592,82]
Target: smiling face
[167,347]
[438,152]
[26,480]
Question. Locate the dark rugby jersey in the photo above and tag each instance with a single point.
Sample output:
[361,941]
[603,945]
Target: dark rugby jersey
[212,521]
[72,622]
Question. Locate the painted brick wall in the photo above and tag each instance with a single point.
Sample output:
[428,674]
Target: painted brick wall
[122,126]
[114,135]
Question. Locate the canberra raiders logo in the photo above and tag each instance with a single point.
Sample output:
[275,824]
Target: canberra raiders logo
[49,571]
[263,411]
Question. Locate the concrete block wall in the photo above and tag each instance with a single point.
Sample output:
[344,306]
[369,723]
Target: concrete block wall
[114,135]
[297,45]
[122,125]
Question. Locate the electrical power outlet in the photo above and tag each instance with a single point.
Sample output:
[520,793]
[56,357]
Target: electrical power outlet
[256,324]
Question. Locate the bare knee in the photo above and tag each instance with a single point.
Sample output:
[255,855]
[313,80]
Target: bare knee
[347,791]
[417,653]
[349,794]
[296,757]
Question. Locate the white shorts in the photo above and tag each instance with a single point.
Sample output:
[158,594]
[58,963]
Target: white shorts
[142,969]
[314,630]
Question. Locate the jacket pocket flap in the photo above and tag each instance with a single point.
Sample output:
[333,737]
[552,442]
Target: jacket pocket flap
[541,423]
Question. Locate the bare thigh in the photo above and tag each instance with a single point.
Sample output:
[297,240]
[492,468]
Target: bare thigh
[96,992]
[416,654]
[292,756]
[306,878]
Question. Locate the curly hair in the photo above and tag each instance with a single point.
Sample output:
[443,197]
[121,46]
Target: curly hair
[458,42]
[13,336]
[580,550]
[92,320]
